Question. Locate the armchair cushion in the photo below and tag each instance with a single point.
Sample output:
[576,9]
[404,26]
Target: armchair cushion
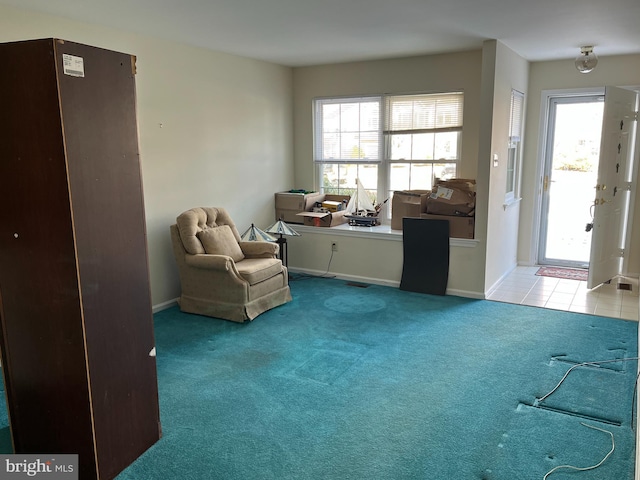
[256,270]
[221,241]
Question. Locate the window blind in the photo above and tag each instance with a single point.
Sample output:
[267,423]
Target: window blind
[515,122]
[348,130]
[424,113]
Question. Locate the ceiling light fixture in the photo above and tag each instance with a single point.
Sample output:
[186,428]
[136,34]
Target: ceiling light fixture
[587,60]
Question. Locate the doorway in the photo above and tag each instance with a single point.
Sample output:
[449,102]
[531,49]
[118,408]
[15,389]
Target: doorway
[572,151]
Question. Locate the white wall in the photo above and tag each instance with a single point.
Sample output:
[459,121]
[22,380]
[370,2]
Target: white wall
[503,70]
[623,70]
[437,73]
[374,258]
[215,129]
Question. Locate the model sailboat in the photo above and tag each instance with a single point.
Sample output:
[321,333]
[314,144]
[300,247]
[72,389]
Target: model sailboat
[360,210]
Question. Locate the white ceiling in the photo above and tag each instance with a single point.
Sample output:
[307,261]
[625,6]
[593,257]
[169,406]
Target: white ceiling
[311,32]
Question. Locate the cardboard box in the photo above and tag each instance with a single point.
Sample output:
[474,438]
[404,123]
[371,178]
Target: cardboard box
[297,201]
[331,219]
[288,216]
[466,184]
[453,197]
[289,204]
[318,219]
[407,203]
[459,227]
[343,199]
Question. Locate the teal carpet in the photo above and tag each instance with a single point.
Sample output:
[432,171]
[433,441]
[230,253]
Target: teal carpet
[347,382]
[6,446]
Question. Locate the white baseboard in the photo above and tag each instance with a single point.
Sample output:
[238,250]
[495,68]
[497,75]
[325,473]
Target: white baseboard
[466,293]
[349,278]
[164,305]
[498,282]
[379,281]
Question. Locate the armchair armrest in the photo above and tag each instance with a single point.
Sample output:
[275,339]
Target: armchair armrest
[202,271]
[260,249]
[221,263]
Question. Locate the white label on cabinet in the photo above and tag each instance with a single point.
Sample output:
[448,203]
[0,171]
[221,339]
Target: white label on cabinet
[73,65]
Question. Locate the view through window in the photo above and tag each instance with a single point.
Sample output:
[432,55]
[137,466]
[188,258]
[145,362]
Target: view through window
[393,142]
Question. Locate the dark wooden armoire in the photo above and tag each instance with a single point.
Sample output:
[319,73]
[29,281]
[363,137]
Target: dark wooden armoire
[75,305]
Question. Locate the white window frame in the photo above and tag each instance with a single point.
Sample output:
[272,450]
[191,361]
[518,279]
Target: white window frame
[322,157]
[382,160]
[514,148]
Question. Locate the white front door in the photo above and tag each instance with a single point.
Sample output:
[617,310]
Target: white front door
[570,171]
[612,190]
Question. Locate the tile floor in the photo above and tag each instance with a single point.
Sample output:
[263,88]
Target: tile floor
[523,286]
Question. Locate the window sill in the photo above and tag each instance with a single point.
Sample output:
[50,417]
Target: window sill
[379,232]
[511,202]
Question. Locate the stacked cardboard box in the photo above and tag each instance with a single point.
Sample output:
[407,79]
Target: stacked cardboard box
[289,204]
[453,197]
[297,207]
[454,200]
[326,218]
[459,227]
[407,203]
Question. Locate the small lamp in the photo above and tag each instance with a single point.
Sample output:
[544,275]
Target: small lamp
[281,229]
[254,234]
[587,60]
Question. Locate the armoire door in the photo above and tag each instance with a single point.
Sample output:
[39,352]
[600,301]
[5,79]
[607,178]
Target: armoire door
[75,305]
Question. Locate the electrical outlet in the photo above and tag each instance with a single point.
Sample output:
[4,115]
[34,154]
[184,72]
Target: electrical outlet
[334,247]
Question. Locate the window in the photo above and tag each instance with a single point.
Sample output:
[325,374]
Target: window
[422,136]
[389,142]
[348,144]
[515,138]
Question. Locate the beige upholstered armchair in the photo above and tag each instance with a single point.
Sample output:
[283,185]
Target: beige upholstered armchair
[221,275]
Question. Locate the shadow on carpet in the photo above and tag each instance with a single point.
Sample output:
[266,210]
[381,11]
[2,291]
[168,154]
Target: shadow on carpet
[379,383]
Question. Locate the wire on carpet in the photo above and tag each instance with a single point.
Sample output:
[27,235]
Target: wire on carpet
[613,444]
[583,469]
[596,364]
